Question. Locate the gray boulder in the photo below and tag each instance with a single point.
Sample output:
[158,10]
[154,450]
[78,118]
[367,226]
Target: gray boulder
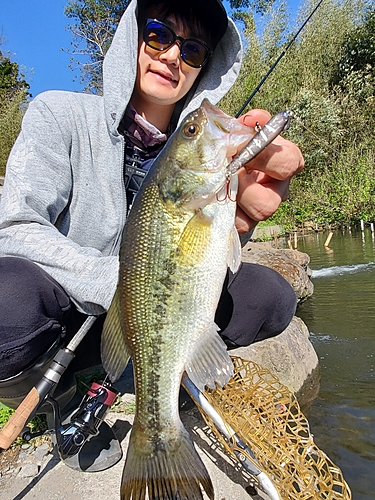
[291,264]
[290,356]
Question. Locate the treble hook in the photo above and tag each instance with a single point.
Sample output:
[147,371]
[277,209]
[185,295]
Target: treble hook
[227,191]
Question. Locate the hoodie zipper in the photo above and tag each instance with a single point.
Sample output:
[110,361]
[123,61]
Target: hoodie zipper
[116,245]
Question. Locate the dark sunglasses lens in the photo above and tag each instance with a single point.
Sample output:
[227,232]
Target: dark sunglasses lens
[158,36]
[193,53]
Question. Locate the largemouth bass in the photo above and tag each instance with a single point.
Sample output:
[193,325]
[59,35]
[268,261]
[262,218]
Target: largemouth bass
[176,247]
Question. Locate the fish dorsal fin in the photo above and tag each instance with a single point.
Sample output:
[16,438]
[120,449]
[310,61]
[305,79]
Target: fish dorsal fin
[114,351]
[195,239]
[234,252]
[211,363]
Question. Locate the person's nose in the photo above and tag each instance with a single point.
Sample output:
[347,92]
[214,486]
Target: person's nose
[171,55]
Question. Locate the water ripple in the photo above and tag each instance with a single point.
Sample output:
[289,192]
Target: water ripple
[341,270]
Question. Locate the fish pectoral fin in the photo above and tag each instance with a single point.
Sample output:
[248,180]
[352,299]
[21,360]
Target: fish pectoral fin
[211,363]
[235,251]
[194,239]
[114,351]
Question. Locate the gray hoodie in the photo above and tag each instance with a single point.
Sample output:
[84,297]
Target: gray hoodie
[64,204]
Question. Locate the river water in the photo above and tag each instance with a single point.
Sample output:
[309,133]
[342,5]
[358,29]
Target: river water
[341,318]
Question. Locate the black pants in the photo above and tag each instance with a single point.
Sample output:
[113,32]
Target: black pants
[256,303]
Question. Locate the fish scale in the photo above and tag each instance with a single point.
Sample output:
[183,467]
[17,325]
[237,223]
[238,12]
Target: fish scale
[177,244]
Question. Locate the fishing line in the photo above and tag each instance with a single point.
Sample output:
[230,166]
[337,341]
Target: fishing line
[245,104]
[318,138]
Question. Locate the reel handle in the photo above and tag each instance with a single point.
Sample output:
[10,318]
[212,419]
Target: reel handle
[35,398]
[19,419]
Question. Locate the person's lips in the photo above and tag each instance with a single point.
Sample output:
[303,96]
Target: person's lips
[164,75]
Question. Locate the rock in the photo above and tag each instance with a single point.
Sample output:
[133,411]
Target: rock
[291,357]
[291,264]
[29,470]
[41,452]
[23,456]
[264,232]
[303,259]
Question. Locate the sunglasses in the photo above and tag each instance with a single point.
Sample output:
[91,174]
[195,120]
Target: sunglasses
[159,36]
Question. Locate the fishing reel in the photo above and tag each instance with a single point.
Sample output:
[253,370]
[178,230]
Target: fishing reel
[86,420]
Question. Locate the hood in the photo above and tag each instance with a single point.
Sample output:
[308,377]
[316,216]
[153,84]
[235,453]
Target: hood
[120,65]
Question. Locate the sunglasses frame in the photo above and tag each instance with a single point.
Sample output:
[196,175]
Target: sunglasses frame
[179,39]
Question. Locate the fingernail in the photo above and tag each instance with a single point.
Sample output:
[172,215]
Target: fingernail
[248,121]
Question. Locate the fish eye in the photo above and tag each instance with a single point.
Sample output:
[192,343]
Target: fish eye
[191,130]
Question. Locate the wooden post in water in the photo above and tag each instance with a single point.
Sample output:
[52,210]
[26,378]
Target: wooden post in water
[328,240]
[372,227]
[362,225]
[290,242]
[275,239]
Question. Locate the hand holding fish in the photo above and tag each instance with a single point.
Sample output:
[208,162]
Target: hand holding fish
[264,182]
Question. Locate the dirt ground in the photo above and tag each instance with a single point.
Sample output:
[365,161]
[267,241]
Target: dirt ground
[31,474]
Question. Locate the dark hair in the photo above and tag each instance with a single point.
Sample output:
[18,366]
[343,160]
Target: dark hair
[190,13]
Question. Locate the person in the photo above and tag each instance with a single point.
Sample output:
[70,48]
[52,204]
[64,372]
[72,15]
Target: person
[71,178]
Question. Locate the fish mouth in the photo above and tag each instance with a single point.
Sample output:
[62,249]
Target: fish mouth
[226,128]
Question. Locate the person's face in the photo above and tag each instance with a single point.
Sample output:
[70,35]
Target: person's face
[163,78]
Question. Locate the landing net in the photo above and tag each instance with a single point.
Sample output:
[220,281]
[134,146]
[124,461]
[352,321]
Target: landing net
[267,417]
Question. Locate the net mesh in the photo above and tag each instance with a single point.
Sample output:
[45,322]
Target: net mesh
[267,417]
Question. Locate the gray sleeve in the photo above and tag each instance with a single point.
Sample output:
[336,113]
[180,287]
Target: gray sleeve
[36,190]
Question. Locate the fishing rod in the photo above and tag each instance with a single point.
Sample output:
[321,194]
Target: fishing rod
[277,60]
[43,389]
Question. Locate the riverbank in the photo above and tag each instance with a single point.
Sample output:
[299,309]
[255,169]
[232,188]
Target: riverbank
[39,473]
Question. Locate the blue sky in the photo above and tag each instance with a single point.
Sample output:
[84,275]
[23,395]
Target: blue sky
[34,33]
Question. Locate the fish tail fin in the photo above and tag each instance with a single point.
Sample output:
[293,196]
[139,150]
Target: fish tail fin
[169,471]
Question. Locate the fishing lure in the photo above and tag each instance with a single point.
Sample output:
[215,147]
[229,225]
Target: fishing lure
[277,124]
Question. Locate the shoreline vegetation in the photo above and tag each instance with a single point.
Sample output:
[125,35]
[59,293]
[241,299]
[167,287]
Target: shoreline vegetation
[327,79]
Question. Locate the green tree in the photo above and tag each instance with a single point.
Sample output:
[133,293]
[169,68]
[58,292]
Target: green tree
[259,6]
[94,23]
[11,80]
[358,52]
[14,91]
[355,71]
[333,129]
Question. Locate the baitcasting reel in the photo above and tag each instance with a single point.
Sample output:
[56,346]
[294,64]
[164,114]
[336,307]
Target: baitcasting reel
[85,421]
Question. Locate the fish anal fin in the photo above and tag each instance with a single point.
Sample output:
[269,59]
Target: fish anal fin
[165,471]
[114,351]
[195,239]
[211,363]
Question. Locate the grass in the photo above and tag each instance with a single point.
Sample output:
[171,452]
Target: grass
[37,424]
[5,414]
